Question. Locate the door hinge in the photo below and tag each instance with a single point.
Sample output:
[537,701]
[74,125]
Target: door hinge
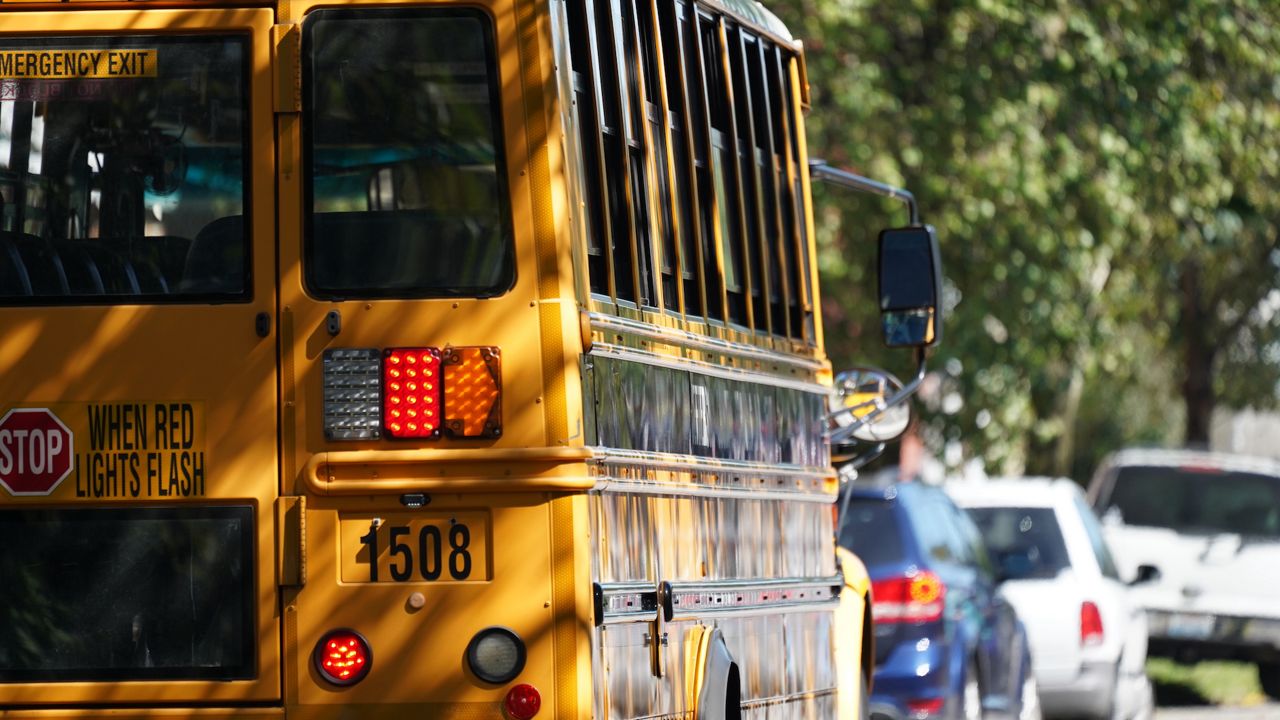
[291,541]
[286,61]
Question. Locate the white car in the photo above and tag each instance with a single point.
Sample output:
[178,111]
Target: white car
[1088,637]
[1207,527]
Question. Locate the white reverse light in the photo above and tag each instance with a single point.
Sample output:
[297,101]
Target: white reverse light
[352,394]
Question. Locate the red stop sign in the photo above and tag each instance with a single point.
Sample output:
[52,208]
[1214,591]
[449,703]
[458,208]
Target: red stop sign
[36,451]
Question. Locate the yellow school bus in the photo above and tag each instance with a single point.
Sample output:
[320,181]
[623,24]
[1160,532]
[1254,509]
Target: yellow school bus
[416,359]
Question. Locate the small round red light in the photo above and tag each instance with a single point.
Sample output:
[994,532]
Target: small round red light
[523,702]
[343,657]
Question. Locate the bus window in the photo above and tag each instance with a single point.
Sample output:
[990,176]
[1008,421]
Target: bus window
[406,192]
[172,594]
[122,170]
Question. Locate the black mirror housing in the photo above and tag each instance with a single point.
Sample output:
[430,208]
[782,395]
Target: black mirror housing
[910,280]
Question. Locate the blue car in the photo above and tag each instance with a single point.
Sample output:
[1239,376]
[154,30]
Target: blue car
[947,644]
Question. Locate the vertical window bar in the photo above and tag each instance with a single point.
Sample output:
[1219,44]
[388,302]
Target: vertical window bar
[745,228]
[600,172]
[661,92]
[768,129]
[652,104]
[791,238]
[672,21]
[717,213]
[748,108]
[586,92]
[796,142]
[629,165]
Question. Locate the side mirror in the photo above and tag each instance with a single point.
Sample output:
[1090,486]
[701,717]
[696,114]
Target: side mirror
[860,407]
[1145,574]
[910,274]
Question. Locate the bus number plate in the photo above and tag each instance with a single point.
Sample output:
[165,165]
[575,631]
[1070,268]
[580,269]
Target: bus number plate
[415,548]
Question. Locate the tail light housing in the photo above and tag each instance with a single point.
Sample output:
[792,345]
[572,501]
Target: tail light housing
[343,657]
[412,393]
[919,597]
[1091,632]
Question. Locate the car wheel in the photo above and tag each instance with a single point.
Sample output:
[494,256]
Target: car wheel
[1269,678]
[1029,708]
[971,697]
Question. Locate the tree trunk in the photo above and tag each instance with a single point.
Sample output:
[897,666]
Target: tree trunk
[1199,353]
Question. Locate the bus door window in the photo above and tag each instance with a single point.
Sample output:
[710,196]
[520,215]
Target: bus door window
[406,173]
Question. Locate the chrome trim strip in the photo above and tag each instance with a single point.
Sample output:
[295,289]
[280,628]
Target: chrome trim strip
[683,600]
[625,602]
[774,700]
[762,482]
[698,463]
[705,368]
[693,341]
[711,491]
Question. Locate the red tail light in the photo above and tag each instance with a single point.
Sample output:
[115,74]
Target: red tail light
[411,392]
[343,657]
[915,598]
[523,702]
[1090,624]
[924,708]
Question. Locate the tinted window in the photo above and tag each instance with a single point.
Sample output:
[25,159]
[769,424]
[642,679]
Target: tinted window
[406,176]
[122,170]
[1094,531]
[936,530]
[1198,500]
[128,594]
[1024,542]
[871,530]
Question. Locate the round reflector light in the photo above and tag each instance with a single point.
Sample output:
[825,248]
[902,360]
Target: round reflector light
[496,655]
[523,702]
[343,657]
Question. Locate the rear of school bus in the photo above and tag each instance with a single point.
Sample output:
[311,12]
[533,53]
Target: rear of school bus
[287,417]
[288,365]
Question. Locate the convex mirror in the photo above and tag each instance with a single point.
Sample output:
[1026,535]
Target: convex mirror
[860,407]
[910,275]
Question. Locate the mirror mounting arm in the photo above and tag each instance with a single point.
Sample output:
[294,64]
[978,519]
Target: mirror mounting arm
[843,434]
[820,170]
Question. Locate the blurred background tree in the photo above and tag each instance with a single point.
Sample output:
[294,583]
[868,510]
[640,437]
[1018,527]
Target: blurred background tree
[1102,178]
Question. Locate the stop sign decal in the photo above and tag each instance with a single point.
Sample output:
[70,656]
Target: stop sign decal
[36,451]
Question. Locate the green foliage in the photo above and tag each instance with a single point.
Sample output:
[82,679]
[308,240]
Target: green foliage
[1076,159]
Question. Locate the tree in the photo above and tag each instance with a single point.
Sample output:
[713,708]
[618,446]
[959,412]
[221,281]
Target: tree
[1082,162]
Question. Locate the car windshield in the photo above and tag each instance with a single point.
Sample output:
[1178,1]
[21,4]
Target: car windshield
[1025,543]
[871,529]
[1197,500]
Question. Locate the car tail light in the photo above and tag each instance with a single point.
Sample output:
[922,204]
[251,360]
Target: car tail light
[343,657]
[411,392]
[1090,624]
[915,598]
[523,702]
[921,709]
[473,391]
